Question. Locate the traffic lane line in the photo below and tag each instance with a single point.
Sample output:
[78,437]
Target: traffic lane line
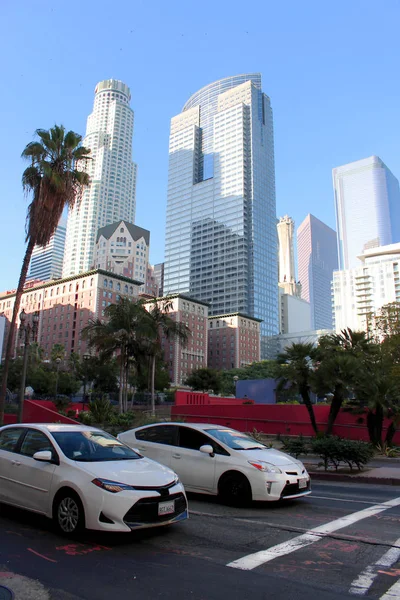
[393,593]
[363,582]
[251,561]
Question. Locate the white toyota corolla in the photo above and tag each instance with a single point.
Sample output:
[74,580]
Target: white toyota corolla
[83,477]
[211,459]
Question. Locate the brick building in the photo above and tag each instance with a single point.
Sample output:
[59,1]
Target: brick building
[233,341]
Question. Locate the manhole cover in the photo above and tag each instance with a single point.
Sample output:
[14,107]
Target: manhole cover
[5,593]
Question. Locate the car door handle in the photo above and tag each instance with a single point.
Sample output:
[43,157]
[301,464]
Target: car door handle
[16,463]
[176,456]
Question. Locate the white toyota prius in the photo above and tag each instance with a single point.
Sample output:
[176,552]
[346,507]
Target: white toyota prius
[211,459]
[83,477]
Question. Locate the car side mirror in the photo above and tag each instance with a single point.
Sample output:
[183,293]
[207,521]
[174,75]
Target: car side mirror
[43,455]
[207,449]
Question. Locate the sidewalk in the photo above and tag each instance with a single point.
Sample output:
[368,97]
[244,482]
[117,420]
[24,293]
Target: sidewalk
[383,471]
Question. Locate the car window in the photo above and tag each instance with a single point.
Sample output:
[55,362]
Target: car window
[9,438]
[160,434]
[192,438]
[236,440]
[93,446]
[35,441]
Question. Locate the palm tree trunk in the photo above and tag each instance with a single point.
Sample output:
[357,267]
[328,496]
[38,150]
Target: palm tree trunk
[306,399]
[121,387]
[11,332]
[153,378]
[336,405]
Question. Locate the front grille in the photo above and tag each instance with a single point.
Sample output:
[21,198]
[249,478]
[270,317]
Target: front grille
[146,509]
[291,489]
[163,490]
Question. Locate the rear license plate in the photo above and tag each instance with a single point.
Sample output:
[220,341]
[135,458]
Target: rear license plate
[166,508]
[302,484]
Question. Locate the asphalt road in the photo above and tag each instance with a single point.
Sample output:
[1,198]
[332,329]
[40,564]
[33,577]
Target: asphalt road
[341,542]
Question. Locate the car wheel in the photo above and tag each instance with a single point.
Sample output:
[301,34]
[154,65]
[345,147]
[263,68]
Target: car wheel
[234,488]
[68,513]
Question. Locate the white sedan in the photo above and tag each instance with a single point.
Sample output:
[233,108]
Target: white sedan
[211,459]
[83,477]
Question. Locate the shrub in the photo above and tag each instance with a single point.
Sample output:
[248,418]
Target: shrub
[335,451]
[101,410]
[122,420]
[85,417]
[295,446]
[61,403]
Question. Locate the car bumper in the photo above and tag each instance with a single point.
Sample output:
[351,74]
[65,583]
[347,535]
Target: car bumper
[105,511]
[273,487]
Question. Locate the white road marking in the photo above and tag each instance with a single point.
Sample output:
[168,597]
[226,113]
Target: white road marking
[345,500]
[251,561]
[393,593]
[361,585]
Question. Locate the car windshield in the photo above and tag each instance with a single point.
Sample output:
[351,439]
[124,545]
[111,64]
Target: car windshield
[93,446]
[236,440]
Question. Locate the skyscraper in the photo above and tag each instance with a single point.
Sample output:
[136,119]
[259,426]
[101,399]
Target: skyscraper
[317,259]
[111,195]
[367,202]
[47,261]
[221,239]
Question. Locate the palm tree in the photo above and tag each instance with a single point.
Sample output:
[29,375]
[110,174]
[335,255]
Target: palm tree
[162,324]
[296,371]
[54,180]
[128,324]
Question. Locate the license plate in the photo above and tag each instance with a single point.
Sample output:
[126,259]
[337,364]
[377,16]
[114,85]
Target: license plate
[166,508]
[302,484]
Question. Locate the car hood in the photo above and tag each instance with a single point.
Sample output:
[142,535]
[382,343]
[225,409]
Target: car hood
[270,455]
[142,472]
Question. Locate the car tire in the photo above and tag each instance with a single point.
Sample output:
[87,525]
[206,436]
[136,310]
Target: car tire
[234,488]
[68,513]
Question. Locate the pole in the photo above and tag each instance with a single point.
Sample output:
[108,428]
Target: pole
[58,366]
[23,380]
[84,393]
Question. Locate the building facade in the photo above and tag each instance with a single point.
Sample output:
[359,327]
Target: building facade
[233,341]
[66,306]
[359,293]
[295,313]
[221,240]
[180,358]
[317,259]
[159,275]
[47,261]
[367,203]
[111,195]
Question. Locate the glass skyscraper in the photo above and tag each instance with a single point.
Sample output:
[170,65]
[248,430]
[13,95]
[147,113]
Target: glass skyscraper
[221,238]
[367,202]
[317,259]
[47,261]
[111,194]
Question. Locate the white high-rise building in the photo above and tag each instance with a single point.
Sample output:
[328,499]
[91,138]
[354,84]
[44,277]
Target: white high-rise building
[111,195]
[367,202]
[47,261]
[359,293]
[221,239]
[286,270]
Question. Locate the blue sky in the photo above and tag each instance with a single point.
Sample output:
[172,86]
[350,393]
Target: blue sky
[331,69]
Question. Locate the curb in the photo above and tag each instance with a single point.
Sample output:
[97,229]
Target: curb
[353,478]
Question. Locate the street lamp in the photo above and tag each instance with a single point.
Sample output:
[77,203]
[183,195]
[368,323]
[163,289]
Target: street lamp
[26,332]
[235,379]
[58,361]
[86,358]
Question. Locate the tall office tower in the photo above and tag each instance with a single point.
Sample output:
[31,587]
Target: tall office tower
[286,271]
[221,240]
[367,202]
[111,195]
[47,261]
[317,259]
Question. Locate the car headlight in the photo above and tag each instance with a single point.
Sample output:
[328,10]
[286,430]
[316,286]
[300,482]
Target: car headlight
[176,479]
[112,486]
[264,466]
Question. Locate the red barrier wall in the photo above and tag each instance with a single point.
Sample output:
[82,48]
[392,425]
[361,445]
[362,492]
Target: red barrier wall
[39,411]
[183,398]
[277,419]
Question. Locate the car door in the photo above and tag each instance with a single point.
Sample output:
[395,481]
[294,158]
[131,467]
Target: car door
[196,470]
[157,442]
[30,479]
[9,439]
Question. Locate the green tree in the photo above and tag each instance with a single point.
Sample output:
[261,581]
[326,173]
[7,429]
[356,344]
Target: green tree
[204,379]
[265,369]
[54,180]
[296,368]
[57,352]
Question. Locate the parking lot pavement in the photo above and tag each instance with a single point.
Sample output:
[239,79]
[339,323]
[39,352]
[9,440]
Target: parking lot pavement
[341,542]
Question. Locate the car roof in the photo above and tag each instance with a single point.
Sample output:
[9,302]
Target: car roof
[53,427]
[200,426]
